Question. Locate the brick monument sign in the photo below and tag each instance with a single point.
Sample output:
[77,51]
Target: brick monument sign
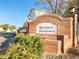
[58,32]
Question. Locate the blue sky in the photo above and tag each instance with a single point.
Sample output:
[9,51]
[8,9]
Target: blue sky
[15,12]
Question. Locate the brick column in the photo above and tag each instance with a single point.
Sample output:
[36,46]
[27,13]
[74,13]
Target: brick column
[59,47]
[75,30]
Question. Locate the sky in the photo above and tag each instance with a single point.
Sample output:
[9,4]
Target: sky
[15,12]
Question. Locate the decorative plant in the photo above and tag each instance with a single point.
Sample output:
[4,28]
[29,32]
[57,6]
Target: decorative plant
[25,47]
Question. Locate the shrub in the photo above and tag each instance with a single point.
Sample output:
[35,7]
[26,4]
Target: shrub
[25,47]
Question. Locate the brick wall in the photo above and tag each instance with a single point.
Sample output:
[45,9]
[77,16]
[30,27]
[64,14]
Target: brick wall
[51,40]
[50,46]
[62,23]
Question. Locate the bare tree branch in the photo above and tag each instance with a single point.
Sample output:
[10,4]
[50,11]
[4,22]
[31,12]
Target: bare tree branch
[59,6]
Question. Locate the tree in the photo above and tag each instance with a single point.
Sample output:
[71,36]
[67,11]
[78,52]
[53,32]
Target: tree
[12,27]
[75,4]
[4,26]
[54,6]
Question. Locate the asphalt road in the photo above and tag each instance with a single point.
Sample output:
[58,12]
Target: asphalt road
[6,39]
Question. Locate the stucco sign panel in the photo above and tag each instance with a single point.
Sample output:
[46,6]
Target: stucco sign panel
[46,28]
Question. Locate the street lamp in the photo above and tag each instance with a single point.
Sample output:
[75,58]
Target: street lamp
[29,17]
[72,10]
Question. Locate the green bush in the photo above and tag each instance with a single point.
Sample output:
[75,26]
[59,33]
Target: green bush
[25,47]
